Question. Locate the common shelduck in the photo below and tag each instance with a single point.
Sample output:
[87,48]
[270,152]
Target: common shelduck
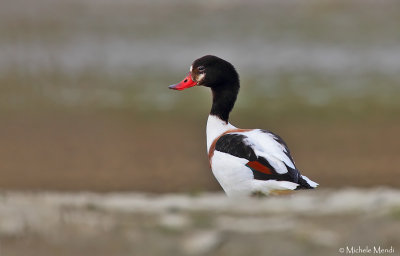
[244,161]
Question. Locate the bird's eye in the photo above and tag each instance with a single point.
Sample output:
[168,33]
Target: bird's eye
[201,68]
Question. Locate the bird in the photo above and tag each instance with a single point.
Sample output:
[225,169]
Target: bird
[245,162]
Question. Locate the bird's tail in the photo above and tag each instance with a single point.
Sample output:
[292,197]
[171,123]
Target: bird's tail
[306,183]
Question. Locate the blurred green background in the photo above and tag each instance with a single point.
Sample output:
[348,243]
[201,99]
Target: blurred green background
[84,103]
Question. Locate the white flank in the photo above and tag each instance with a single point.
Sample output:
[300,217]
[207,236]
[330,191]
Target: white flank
[266,186]
[191,68]
[232,174]
[237,179]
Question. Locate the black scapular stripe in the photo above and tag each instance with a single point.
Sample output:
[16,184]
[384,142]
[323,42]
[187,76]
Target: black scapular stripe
[234,144]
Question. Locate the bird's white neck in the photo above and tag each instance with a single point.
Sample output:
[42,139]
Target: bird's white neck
[215,127]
